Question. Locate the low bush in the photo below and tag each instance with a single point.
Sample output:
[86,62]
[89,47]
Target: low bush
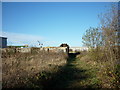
[108,71]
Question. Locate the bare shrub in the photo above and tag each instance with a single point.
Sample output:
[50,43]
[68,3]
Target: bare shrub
[107,54]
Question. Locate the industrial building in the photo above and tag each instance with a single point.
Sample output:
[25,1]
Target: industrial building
[78,49]
[3,42]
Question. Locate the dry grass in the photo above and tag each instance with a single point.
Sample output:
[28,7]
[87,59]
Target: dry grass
[17,68]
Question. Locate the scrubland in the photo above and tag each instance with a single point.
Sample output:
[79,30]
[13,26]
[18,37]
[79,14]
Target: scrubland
[82,71]
[50,70]
[105,73]
[29,70]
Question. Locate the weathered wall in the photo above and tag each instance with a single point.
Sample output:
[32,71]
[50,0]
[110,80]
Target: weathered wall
[47,49]
[26,50]
[55,49]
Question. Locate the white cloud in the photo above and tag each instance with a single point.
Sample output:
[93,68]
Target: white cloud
[21,39]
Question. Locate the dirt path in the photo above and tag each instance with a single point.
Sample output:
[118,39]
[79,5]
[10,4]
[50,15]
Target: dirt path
[76,74]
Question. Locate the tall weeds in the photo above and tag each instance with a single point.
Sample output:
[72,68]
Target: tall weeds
[26,69]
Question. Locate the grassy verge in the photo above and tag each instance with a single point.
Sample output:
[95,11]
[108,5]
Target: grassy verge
[76,74]
[102,72]
[82,72]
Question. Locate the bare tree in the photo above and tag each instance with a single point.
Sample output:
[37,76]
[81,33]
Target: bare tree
[110,26]
[92,38]
[110,30]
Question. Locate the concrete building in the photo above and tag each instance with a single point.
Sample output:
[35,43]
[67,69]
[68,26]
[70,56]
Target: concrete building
[3,42]
[78,49]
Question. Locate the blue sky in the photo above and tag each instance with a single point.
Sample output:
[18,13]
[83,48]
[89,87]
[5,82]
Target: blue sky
[52,23]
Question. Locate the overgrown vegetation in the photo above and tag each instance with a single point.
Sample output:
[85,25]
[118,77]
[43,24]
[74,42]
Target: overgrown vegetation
[104,49]
[96,69]
[29,70]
